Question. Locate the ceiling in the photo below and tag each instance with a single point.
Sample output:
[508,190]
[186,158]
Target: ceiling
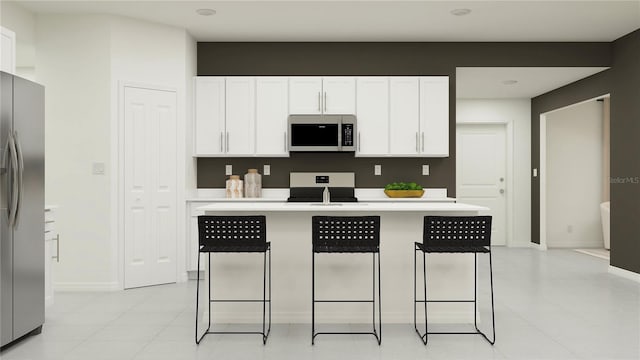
[332,20]
[487,82]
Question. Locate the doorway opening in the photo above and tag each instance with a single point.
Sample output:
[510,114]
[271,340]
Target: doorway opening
[574,177]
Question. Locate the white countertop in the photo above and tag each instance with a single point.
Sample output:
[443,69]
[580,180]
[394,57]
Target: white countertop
[339,207]
[281,195]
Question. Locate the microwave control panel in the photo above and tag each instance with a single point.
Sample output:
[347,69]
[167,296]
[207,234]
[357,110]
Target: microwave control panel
[347,134]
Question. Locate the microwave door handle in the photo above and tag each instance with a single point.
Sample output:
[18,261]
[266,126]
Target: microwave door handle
[340,136]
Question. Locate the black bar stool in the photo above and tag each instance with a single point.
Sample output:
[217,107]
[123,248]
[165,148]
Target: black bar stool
[347,234]
[235,234]
[454,234]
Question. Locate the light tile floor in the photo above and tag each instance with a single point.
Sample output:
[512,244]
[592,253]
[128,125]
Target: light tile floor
[558,304]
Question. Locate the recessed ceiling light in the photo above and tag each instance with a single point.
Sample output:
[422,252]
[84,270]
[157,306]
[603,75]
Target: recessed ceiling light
[206,12]
[510,82]
[460,12]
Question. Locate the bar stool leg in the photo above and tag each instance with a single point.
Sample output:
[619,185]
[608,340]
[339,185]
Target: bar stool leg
[198,339]
[379,301]
[493,315]
[426,322]
[313,297]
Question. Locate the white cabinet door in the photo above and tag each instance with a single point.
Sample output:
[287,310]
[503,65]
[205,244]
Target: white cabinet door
[305,95]
[404,116]
[209,131]
[7,51]
[272,110]
[434,116]
[339,95]
[373,116]
[240,116]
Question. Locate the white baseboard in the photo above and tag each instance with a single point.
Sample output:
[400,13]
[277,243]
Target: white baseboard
[630,275]
[86,286]
[538,246]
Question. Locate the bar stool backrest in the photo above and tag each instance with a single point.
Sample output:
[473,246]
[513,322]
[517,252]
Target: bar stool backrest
[356,233]
[457,231]
[216,231]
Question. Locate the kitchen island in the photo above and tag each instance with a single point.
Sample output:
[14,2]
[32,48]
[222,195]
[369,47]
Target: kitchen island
[340,276]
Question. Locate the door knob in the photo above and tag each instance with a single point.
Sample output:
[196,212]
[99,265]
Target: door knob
[501,179]
[501,191]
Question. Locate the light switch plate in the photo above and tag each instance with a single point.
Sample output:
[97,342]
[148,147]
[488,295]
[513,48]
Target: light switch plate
[228,170]
[377,170]
[97,168]
[425,169]
[266,170]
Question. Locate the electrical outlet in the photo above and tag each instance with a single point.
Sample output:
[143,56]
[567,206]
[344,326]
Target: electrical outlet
[97,168]
[267,170]
[425,169]
[377,170]
[228,170]
[535,172]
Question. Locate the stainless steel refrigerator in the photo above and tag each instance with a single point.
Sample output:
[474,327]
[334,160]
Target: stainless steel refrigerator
[21,207]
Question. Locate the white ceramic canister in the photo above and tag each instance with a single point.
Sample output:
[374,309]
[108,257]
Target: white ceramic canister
[234,187]
[253,184]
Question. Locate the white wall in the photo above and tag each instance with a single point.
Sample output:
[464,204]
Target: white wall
[23,22]
[74,65]
[516,113]
[574,176]
[82,61]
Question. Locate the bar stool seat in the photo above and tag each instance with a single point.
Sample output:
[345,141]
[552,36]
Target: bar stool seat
[235,234]
[347,234]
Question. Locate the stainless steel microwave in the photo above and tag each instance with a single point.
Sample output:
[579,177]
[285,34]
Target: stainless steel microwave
[317,133]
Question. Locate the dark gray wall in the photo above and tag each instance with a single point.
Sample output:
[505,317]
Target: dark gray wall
[361,59]
[622,81]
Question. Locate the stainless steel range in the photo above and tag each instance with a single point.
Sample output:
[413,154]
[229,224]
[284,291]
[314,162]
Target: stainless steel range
[309,187]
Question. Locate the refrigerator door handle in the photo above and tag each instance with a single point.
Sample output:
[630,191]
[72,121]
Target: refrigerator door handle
[20,172]
[11,170]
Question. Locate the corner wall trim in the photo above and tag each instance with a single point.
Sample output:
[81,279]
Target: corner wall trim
[630,275]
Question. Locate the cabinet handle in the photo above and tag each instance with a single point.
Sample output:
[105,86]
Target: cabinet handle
[285,141]
[227,141]
[358,141]
[319,109]
[423,141]
[57,257]
[221,142]
[417,143]
[325,101]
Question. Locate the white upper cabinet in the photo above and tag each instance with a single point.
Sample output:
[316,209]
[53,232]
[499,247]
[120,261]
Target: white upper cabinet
[434,116]
[247,116]
[240,116]
[272,110]
[305,95]
[7,51]
[209,129]
[339,95]
[404,116]
[322,95]
[373,116]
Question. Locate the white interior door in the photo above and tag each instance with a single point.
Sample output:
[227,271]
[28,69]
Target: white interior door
[481,172]
[149,187]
